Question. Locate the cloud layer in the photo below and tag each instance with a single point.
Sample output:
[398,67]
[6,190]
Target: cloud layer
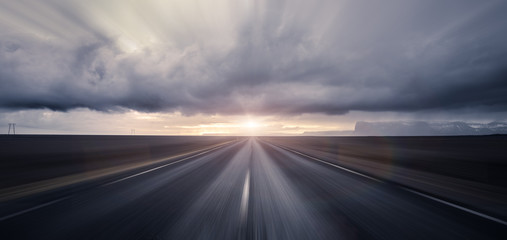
[254,57]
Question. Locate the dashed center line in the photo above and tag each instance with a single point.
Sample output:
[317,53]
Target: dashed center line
[244,198]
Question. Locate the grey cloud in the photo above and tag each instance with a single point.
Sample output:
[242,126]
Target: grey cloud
[287,57]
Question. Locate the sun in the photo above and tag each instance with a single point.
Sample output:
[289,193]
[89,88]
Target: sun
[251,124]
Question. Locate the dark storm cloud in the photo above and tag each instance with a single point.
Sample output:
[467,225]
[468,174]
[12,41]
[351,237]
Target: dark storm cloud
[285,57]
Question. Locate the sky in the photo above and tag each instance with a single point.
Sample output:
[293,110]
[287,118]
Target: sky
[263,67]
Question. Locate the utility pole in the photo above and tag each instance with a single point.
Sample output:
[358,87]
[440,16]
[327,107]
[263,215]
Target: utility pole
[132,131]
[13,127]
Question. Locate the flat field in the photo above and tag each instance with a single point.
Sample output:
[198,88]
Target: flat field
[30,158]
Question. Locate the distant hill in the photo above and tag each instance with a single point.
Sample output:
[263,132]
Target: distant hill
[421,128]
[417,128]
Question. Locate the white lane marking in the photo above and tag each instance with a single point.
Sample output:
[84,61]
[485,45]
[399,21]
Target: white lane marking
[125,178]
[479,214]
[334,165]
[33,208]
[457,206]
[244,198]
[159,167]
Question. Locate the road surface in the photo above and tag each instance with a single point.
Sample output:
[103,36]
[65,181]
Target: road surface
[245,190]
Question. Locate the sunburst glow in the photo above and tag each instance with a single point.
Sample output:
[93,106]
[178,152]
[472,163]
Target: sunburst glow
[252,124]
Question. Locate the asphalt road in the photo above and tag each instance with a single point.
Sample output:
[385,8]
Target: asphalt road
[246,190]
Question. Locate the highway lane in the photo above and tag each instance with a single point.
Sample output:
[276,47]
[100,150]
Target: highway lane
[247,190]
[375,210]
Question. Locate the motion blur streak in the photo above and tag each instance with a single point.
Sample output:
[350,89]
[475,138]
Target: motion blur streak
[246,190]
